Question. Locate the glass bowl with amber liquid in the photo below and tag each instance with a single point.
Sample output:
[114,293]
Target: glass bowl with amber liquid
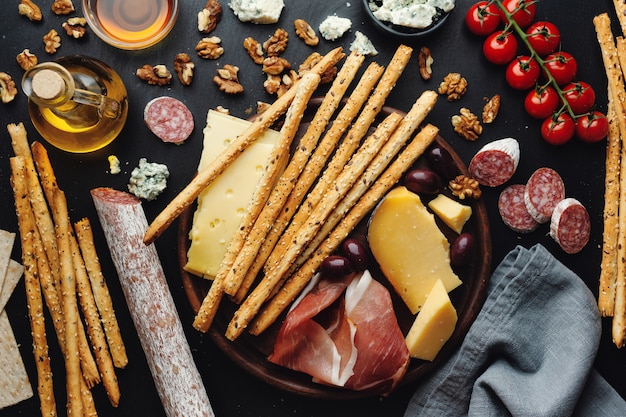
[131,25]
[76,103]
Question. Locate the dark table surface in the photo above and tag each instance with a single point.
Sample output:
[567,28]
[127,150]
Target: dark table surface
[232,391]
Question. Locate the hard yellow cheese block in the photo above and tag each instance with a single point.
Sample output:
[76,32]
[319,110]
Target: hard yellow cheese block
[433,326]
[222,205]
[409,247]
[453,213]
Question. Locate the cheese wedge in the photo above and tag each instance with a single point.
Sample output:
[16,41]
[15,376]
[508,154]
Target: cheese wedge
[433,326]
[409,247]
[222,205]
[453,213]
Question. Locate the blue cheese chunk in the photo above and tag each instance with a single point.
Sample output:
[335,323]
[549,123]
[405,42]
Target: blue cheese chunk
[334,27]
[148,180]
[417,14]
[363,45]
[257,11]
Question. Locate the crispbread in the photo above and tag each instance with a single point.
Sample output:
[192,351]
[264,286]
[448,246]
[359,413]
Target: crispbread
[11,278]
[7,240]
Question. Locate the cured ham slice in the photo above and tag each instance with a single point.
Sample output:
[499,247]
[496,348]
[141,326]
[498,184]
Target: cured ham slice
[339,340]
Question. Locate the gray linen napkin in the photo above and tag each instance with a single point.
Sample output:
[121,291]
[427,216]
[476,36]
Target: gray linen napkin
[530,351]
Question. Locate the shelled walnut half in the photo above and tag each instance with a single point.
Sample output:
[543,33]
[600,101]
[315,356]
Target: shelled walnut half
[26,59]
[30,10]
[52,41]
[209,17]
[306,32]
[254,49]
[277,43]
[62,7]
[491,109]
[466,124]
[75,27]
[210,48]
[157,75]
[184,68]
[8,91]
[227,79]
[454,85]
[425,61]
[464,187]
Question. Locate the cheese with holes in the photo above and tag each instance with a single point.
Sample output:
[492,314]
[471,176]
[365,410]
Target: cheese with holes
[222,205]
[451,212]
[409,247]
[433,326]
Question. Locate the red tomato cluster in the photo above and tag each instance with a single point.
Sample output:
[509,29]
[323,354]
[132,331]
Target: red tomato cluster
[548,74]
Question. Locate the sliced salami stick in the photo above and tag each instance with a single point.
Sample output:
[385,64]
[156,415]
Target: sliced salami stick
[570,226]
[544,190]
[150,303]
[169,119]
[513,209]
[496,162]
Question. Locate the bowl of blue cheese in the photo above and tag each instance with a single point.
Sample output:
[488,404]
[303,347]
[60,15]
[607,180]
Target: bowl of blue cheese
[408,18]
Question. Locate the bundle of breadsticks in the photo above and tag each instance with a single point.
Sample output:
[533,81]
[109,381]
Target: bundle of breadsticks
[612,285]
[62,269]
[300,214]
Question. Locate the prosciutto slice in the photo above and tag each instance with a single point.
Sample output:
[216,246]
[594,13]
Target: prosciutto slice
[344,333]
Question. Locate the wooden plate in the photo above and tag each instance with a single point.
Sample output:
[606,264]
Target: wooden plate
[250,352]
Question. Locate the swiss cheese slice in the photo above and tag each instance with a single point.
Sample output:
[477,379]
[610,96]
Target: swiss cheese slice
[222,205]
[409,247]
[433,326]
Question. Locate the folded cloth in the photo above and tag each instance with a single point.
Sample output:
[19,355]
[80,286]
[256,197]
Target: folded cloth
[530,351]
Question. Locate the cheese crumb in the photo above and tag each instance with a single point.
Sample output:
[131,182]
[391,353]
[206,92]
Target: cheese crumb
[257,11]
[114,165]
[363,45]
[148,180]
[334,27]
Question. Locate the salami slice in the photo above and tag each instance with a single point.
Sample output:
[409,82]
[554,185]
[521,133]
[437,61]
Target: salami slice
[496,162]
[544,190]
[570,226]
[169,119]
[513,209]
[151,306]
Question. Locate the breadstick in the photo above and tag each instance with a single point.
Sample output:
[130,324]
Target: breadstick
[70,307]
[343,154]
[44,223]
[101,294]
[276,163]
[27,228]
[390,177]
[312,169]
[50,185]
[211,171]
[613,71]
[608,266]
[285,184]
[94,325]
[420,109]
[620,11]
[343,183]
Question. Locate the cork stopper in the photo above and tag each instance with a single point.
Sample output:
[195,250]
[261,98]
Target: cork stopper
[48,84]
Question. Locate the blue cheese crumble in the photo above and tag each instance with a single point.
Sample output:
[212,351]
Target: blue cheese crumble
[363,45]
[334,27]
[417,14]
[148,180]
[257,11]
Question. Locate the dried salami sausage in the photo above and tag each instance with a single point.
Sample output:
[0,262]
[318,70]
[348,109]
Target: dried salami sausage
[544,190]
[496,162]
[513,209]
[169,119]
[570,226]
[151,306]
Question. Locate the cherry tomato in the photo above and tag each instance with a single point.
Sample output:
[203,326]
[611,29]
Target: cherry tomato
[592,127]
[562,66]
[580,96]
[482,18]
[522,11]
[500,47]
[544,37]
[541,102]
[522,73]
[558,129]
